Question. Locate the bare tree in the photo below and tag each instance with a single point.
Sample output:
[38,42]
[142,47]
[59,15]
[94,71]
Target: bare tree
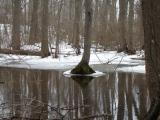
[58,30]
[76,32]
[44,48]
[122,28]
[16,25]
[83,67]
[151,18]
[130,27]
[33,37]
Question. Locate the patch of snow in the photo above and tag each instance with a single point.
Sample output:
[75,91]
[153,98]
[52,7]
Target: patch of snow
[135,69]
[96,74]
[68,59]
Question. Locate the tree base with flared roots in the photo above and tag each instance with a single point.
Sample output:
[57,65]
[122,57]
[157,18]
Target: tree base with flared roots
[82,68]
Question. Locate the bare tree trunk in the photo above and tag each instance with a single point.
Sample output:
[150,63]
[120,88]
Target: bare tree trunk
[44,48]
[130,31]
[104,21]
[16,25]
[83,67]
[33,37]
[122,28]
[76,33]
[87,32]
[58,28]
[151,18]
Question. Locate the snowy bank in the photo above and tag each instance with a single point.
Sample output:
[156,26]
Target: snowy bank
[66,62]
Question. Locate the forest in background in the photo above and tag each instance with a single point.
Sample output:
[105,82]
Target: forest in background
[117,25]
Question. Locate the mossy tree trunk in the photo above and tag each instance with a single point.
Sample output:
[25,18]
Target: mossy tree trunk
[83,67]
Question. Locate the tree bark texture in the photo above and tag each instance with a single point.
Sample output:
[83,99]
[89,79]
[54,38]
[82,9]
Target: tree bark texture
[151,22]
[16,25]
[44,48]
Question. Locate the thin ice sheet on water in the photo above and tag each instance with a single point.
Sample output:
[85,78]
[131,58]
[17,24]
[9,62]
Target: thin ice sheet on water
[96,74]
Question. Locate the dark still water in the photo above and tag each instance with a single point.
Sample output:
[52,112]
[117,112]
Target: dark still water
[37,94]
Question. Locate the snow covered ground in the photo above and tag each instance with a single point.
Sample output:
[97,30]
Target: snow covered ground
[67,60]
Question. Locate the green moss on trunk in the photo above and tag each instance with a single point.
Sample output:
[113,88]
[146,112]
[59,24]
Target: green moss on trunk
[82,68]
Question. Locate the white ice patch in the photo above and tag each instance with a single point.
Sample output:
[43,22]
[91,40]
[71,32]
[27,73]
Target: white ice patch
[96,74]
[135,69]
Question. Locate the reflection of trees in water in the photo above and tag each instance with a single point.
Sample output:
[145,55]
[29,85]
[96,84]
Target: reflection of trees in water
[86,96]
[16,89]
[94,97]
[129,96]
[121,97]
[142,96]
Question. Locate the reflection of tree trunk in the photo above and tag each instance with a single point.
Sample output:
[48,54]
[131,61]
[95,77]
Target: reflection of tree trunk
[33,91]
[143,97]
[86,101]
[58,89]
[112,85]
[121,99]
[44,93]
[70,98]
[76,92]
[129,97]
[106,96]
[16,92]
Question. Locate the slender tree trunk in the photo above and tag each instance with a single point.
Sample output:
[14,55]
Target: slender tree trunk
[16,25]
[122,28]
[87,32]
[76,33]
[130,31]
[151,22]
[33,37]
[105,12]
[58,28]
[83,67]
[44,48]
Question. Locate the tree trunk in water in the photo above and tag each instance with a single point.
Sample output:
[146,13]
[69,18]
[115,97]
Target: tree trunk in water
[33,36]
[122,28]
[130,31]
[44,48]
[151,22]
[83,67]
[16,25]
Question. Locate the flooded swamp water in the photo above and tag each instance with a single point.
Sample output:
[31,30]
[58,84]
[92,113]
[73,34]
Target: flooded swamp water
[42,95]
